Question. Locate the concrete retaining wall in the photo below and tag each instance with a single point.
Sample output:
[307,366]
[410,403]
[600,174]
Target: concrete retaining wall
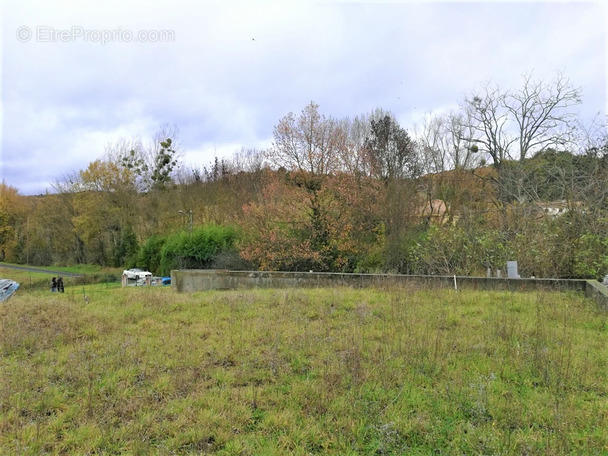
[191,280]
[598,292]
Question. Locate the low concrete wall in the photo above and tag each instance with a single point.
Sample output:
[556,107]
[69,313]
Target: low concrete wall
[190,280]
[598,292]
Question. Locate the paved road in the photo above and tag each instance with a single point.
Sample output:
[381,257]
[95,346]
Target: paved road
[44,271]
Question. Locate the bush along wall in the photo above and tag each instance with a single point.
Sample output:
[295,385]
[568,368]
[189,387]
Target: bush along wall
[194,250]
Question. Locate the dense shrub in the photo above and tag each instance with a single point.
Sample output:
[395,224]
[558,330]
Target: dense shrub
[198,249]
[126,249]
[150,254]
[591,257]
[453,249]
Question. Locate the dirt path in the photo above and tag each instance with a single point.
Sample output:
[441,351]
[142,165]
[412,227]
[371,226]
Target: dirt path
[44,271]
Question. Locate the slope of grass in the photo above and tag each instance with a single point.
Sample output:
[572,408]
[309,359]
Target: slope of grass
[325,371]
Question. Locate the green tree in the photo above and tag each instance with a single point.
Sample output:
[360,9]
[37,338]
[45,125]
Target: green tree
[310,147]
[392,152]
[150,253]
[12,214]
[394,161]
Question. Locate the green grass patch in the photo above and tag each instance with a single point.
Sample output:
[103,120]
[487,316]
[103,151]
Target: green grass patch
[41,281]
[302,371]
[74,269]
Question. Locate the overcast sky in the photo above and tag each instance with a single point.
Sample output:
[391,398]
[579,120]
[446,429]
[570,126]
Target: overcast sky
[225,72]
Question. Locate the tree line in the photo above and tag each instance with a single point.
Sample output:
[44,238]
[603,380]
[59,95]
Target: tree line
[509,175]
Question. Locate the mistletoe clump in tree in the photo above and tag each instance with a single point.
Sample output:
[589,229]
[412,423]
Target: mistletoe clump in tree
[154,165]
[164,163]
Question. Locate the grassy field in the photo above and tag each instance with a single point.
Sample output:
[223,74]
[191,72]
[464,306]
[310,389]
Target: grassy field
[315,371]
[35,280]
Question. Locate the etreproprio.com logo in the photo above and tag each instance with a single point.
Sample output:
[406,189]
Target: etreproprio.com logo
[47,34]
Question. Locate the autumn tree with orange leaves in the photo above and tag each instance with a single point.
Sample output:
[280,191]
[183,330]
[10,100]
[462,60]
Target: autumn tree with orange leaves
[309,146]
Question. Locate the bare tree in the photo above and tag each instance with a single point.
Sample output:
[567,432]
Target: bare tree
[593,138]
[154,163]
[430,138]
[489,121]
[115,151]
[249,160]
[311,142]
[356,158]
[446,141]
[542,113]
[533,118]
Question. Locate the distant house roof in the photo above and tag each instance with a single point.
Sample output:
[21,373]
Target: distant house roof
[555,208]
[432,209]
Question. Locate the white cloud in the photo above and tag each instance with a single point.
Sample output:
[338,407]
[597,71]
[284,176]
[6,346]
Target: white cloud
[234,68]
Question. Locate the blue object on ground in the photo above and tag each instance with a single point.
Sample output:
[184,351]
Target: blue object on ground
[7,288]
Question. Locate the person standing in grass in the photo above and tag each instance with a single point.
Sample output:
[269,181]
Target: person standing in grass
[53,284]
[60,285]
